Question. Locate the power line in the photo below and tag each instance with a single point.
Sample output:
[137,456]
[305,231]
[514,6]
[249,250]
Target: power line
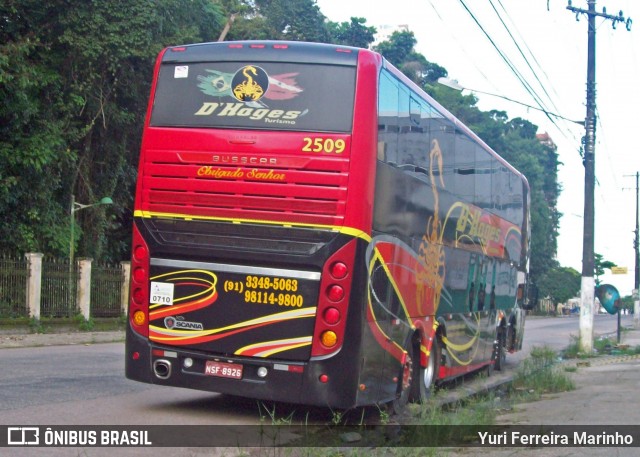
[522,53]
[524,83]
[534,72]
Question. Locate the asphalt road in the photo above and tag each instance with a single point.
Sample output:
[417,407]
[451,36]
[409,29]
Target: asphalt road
[85,384]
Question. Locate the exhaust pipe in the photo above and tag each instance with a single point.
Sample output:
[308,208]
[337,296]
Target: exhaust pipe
[162,368]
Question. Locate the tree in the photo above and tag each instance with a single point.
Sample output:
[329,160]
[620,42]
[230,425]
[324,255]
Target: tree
[232,9]
[600,265]
[398,48]
[33,152]
[74,84]
[74,81]
[295,20]
[353,33]
[627,303]
[559,283]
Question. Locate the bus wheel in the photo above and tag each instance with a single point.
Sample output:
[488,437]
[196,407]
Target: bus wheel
[500,350]
[425,377]
[405,382]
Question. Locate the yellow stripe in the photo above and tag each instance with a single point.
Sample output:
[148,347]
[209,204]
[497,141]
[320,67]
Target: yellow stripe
[172,335]
[459,347]
[356,233]
[205,272]
[454,357]
[293,344]
[282,349]
[301,340]
[379,257]
[369,303]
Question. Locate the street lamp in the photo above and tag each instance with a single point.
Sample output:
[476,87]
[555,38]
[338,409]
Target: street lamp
[73,208]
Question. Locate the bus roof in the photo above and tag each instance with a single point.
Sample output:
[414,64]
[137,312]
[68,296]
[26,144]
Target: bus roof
[282,51]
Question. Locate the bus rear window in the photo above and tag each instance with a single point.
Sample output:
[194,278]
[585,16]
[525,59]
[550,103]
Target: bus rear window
[255,95]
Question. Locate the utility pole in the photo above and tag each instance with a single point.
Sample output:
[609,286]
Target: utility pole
[636,249]
[636,245]
[587,289]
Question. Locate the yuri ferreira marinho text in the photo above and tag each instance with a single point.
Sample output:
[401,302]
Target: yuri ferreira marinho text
[514,438]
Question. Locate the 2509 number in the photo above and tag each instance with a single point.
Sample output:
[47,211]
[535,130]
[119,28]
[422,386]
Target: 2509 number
[326,145]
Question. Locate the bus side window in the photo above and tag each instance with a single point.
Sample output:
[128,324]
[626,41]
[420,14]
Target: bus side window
[415,111]
[388,127]
[520,294]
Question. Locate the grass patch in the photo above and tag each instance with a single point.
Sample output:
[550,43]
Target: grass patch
[62,324]
[607,346]
[477,410]
[539,374]
[601,346]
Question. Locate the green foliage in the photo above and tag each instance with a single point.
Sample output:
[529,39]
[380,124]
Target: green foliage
[559,283]
[572,351]
[627,302]
[74,82]
[294,20]
[83,324]
[600,265]
[353,33]
[36,326]
[399,50]
[538,374]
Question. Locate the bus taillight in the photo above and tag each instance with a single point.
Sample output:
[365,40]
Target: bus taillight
[139,300]
[139,274]
[335,293]
[329,338]
[333,301]
[331,316]
[339,270]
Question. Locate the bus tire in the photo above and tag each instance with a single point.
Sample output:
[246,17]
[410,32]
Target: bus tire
[425,377]
[500,350]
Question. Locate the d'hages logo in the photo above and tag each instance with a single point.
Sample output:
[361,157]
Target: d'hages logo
[250,83]
[179,323]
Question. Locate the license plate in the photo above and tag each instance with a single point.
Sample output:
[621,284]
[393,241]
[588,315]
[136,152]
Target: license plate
[223,370]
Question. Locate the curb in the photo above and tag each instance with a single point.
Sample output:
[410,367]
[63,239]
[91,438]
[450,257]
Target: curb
[60,339]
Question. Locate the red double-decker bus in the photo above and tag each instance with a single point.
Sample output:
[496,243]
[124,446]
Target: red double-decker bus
[311,227]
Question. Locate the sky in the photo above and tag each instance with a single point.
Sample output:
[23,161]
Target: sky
[546,46]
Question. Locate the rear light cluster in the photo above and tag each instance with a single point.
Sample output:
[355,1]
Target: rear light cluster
[139,300]
[333,301]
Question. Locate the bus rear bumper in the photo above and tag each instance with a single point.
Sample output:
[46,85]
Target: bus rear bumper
[309,383]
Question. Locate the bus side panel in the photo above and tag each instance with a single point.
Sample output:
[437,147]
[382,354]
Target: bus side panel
[459,283]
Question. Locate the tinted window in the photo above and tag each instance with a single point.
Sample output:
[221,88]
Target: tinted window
[254,95]
[388,127]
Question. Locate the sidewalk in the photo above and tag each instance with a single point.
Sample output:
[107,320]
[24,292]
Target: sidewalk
[606,393]
[57,339]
